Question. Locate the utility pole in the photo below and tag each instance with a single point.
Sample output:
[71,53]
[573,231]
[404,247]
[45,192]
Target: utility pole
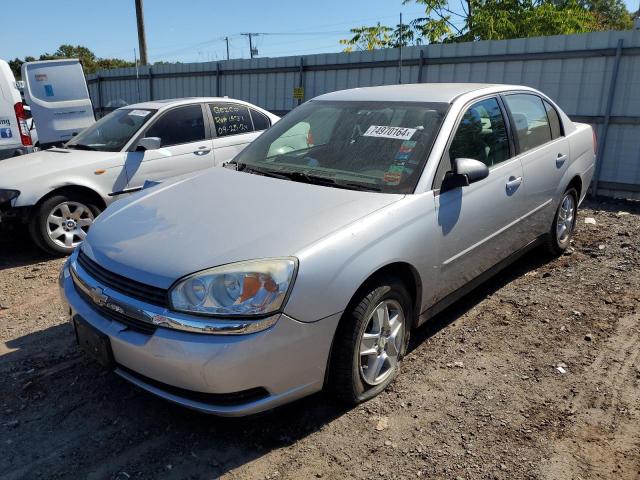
[142,40]
[400,58]
[227,40]
[252,51]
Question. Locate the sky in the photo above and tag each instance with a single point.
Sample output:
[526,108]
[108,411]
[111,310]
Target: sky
[194,30]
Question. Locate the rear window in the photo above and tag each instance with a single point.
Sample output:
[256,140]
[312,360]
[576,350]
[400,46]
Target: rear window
[554,120]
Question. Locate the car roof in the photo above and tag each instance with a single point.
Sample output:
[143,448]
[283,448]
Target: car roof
[172,102]
[417,92]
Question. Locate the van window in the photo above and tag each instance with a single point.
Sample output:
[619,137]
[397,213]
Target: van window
[231,119]
[530,118]
[179,125]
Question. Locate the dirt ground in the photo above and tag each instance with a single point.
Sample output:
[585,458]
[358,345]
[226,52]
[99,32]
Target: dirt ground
[481,393]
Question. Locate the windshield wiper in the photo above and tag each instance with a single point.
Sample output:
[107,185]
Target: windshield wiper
[79,146]
[304,177]
[262,171]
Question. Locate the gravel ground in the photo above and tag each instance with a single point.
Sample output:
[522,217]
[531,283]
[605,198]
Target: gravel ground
[481,394]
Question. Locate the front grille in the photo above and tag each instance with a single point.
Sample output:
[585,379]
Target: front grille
[129,322]
[226,399]
[140,291]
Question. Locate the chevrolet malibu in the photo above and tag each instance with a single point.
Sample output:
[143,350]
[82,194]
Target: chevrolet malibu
[239,289]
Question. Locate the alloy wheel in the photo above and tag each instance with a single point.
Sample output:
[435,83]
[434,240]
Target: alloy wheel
[381,342]
[68,223]
[566,218]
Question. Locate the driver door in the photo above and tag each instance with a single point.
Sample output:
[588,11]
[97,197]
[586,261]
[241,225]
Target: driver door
[479,224]
[185,147]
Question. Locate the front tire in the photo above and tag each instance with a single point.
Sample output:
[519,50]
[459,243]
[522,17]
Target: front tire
[61,223]
[370,342]
[558,238]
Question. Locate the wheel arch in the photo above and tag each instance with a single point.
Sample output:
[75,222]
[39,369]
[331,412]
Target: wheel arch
[405,272]
[72,189]
[576,182]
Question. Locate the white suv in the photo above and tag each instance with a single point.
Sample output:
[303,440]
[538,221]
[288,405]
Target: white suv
[59,192]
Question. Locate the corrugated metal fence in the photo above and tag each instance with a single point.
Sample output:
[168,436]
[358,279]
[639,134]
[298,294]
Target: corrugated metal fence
[594,77]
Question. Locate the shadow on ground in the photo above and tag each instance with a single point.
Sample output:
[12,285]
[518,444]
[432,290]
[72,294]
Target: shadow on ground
[17,249]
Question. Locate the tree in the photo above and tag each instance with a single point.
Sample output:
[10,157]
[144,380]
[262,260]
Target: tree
[90,63]
[368,38]
[469,20]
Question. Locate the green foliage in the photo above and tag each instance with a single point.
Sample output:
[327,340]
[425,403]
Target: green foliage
[503,19]
[90,63]
[469,20]
[368,38]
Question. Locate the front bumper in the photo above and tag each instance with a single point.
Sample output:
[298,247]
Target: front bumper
[287,361]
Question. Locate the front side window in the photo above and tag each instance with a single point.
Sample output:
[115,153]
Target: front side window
[530,118]
[380,146]
[179,125]
[112,132]
[231,119]
[482,134]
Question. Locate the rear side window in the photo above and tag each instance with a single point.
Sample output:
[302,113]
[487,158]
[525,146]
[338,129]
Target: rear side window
[530,118]
[231,119]
[260,120]
[179,125]
[554,120]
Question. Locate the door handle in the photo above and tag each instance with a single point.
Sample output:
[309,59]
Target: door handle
[560,159]
[513,183]
[202,152]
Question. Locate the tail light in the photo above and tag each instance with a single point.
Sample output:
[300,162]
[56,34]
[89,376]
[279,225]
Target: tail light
[595,140]
[310,141]
[25,136]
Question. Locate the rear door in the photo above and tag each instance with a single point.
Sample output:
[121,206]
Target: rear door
[56,91]
[544,153]
[479,225]
[235,126]
[185,146]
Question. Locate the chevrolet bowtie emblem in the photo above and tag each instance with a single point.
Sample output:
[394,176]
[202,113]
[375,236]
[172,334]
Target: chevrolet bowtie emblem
[98,296]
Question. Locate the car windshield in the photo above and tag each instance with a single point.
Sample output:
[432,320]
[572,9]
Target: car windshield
[377,146]
[112,132]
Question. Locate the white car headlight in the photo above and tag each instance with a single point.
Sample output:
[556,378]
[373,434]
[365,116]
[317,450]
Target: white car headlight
[251,288]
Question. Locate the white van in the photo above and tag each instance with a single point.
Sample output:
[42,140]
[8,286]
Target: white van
[14,131]
[56,91]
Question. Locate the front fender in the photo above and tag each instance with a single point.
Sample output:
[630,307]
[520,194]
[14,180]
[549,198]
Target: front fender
[332,269]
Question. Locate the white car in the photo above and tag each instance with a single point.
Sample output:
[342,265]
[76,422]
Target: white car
[59,192]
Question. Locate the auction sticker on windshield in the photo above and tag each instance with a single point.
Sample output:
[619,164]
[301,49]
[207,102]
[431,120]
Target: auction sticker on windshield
[400,133]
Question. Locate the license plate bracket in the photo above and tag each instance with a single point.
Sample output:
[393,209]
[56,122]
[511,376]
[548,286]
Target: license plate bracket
[95,343]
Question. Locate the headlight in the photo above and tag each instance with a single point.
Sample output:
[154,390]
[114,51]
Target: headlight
[256,287]
[8,195]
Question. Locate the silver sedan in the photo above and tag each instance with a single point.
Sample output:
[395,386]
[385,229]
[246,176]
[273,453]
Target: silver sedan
[308,261]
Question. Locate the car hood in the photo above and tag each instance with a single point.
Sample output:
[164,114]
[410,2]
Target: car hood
[17,170]
[218,217]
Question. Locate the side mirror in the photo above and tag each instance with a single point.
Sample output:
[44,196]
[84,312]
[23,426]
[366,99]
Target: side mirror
[465,172]
[149,143]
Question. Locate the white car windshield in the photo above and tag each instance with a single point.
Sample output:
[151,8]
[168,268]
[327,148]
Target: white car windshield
[112,132]
[377,146]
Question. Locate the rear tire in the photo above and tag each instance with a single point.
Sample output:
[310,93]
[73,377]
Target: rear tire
[559,236]
[370,342]
[61,222]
